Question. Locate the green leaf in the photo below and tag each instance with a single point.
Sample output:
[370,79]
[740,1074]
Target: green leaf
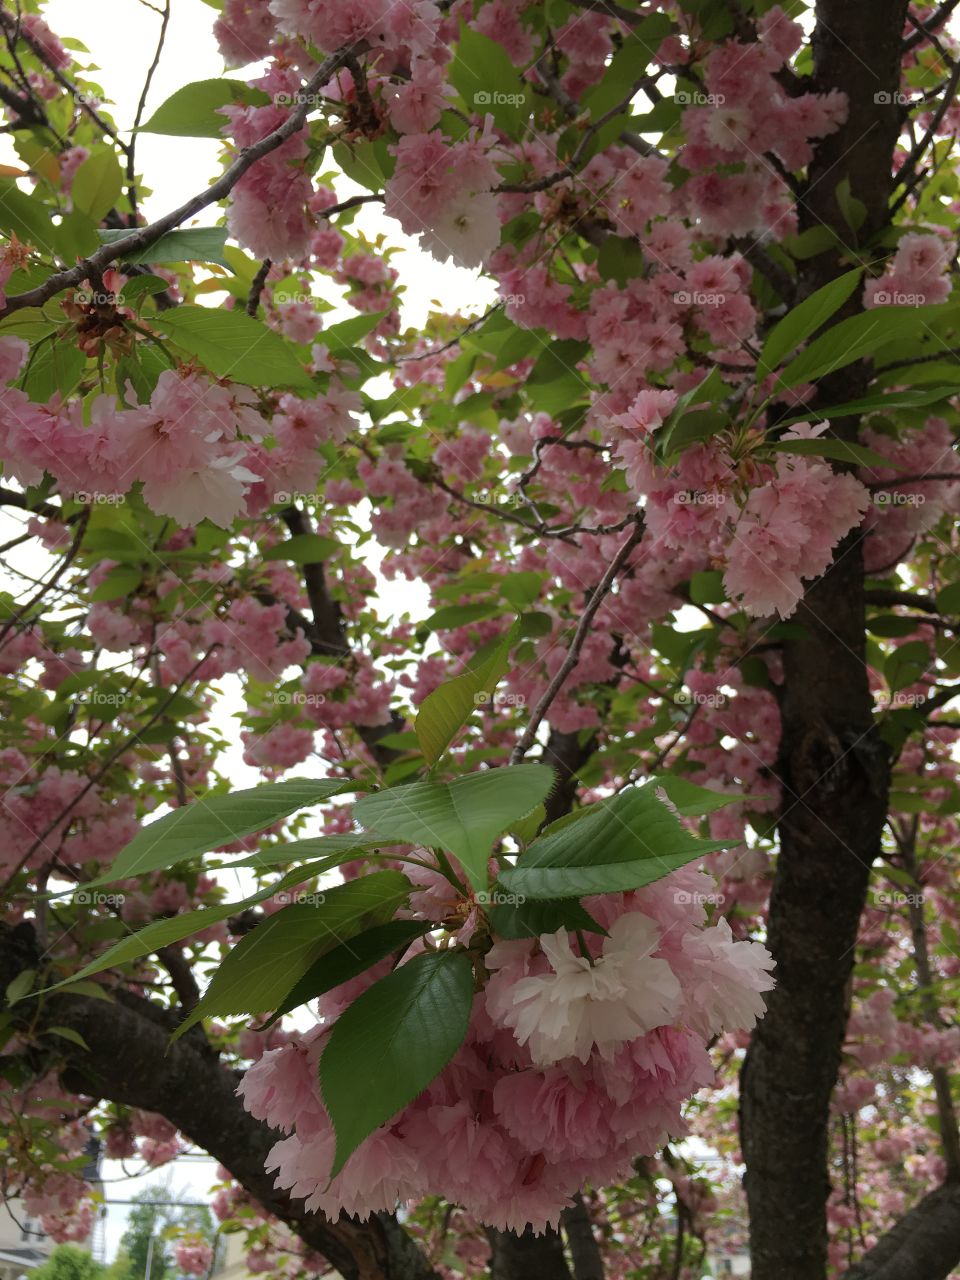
[948,599]
[856,337]
[350,959]
[444,711]
[118,584]
[530,919]
[193,244]
[98,183]
[853,209]
[192,112]
[625,69]
[26,217]
[459,615]
[21,986]
[804,319]
[68,1033]
[707,587]
[839,450]
[160,933]
[622,843]
[303,548]
[268,962]
[345,335]
[464,817]
[215,820]
[234,345]
[390,1043]
[905,398]
[691,800]
[489,83]
[53,367]
[907,664]
[620,258]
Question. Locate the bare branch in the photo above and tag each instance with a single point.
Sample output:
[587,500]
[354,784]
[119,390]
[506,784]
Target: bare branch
[600,593]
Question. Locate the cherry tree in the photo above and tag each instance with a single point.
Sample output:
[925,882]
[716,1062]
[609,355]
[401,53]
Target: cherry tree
[602,911]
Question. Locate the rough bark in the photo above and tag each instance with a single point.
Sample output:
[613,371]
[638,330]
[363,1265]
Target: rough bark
[833,769]
[924,1244]
[129,1059]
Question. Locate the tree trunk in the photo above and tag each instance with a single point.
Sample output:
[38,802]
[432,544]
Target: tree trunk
[833,768]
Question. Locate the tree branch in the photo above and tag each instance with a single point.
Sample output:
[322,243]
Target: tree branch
[129,1059]
[573,654]
[145,236]
[923,1245]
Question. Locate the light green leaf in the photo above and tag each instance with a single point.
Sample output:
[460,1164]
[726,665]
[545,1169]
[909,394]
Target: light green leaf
[190,244]
[234,345]
[118,584]
[53,367]
[215,820]
[489,83]
[268,962]
[447,709]
[623,843]
[390,1043]
[464,817]
[192,112]
[98,183]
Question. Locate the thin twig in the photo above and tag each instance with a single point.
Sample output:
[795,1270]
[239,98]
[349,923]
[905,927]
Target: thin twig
[573,653]
[141,106]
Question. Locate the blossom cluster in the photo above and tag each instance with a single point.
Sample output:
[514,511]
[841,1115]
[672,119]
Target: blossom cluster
[578,1058]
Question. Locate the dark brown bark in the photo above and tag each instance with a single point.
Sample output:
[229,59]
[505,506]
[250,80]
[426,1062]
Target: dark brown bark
[924,1244]
[833,768]
[129,1059]
[527,1257]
